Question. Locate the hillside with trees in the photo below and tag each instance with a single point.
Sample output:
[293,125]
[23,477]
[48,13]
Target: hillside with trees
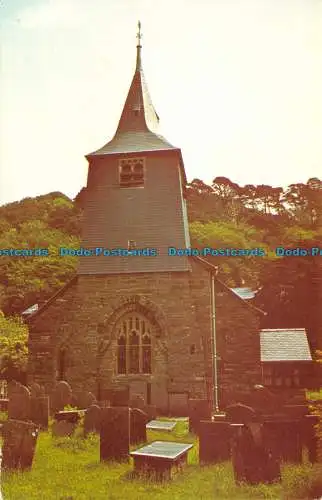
[221,215]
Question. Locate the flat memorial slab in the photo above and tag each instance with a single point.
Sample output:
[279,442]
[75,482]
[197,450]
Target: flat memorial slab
[162,449]
[161,425]
[161,459]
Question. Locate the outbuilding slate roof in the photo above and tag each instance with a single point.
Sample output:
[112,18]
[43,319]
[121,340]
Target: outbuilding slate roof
[289,344]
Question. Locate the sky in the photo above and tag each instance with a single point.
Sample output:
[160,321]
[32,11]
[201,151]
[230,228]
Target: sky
[237,85]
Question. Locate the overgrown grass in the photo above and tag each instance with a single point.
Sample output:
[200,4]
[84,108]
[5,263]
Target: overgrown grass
[314,395]
[70,469]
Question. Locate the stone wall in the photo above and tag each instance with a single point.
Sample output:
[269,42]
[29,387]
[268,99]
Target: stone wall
[82,320]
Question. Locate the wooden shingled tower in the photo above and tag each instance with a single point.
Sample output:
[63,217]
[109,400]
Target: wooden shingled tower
[135,192]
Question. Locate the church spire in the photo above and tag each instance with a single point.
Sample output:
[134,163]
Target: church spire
[139,123]
[138,48]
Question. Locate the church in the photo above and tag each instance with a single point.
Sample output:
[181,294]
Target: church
[134,316]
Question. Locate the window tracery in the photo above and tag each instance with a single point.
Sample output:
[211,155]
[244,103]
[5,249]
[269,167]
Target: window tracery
[134,345]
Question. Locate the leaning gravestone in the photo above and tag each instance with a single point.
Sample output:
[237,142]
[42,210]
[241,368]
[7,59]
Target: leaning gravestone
[115,434]
[19,446]
[19,402]
[92,420]
[138,421]
[61,396]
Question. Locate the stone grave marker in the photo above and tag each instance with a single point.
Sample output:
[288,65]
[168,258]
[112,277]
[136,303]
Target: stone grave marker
[35,390]
[115,434]
[39,411]
[63,428]
[85,399]
[253,462]
[19,402]
[61,396]
[240,413]
[137,401]
[214,441]
[138,421]
[198,409]
[19,446]
[151,411]
[120,397]
[92,420]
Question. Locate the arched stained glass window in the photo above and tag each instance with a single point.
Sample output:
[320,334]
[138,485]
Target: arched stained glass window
[134,345]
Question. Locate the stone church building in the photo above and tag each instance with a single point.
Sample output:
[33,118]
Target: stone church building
[161,325]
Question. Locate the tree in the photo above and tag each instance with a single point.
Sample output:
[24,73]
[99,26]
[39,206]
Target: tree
[13,348]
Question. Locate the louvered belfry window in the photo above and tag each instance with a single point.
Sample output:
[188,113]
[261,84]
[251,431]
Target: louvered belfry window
[133,345]
[131,172]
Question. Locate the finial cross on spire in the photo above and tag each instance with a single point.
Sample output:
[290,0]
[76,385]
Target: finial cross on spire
[139,34]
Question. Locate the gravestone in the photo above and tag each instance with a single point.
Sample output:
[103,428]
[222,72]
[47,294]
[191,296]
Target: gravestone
[309,436]
[138,421]
[19,446]
[198,409]
[240,413]
[285,439]
[92,420]
[35,390]
[61,396]
[263,401]
[115,434]
[253,463]
[19,402]
[214,441]
[151,411]
[39,411]
[85,399]
[137,401]
[104,403]
[120,397]
[63,428]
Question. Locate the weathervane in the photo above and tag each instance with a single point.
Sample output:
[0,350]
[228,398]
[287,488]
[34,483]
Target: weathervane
[139,34]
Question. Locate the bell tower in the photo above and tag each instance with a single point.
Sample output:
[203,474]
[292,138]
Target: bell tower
[135,206]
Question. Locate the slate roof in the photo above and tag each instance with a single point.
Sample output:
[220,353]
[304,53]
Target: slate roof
[289,344]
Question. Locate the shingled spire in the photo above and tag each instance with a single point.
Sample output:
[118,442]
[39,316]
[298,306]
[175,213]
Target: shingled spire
[138,125]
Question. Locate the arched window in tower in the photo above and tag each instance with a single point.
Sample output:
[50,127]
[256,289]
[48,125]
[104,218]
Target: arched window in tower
[134,345]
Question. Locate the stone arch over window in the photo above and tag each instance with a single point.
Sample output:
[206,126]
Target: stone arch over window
[134,344]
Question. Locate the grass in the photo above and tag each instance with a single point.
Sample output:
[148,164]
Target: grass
[314,395]
[70,469]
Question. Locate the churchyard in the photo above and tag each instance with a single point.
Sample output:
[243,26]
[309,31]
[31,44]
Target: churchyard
[88,454]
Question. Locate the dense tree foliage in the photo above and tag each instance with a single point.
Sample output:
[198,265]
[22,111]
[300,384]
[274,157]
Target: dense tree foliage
[13,348]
